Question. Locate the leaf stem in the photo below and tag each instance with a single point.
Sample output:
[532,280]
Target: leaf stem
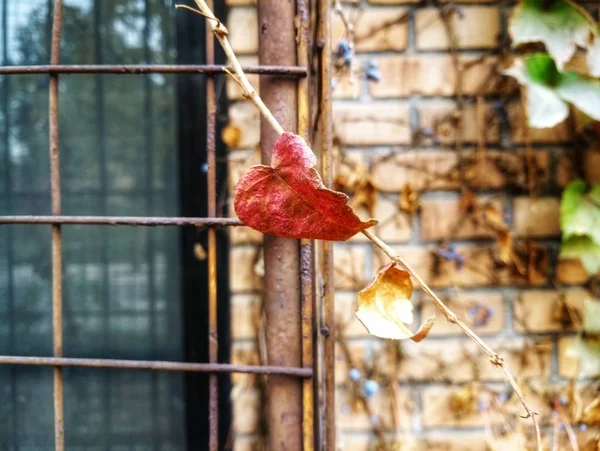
[221,33]
[495,358]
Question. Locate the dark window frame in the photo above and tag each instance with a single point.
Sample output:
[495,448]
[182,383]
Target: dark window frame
[191,132]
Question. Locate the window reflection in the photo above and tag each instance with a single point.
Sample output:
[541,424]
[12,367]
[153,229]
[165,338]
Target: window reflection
[121,299]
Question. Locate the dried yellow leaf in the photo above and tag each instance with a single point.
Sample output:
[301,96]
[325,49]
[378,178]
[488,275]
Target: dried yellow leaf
[384,306]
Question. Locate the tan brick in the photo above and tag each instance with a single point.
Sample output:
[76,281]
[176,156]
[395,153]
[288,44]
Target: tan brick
[590,168]
[243,30]
[495,323]
[373,123]
[244,443]
[571,271]
[569,363]
[586,440]
[455,442]
[438,170]
[463,360]
[234,90]
[244,115]
[539,311]
[382,405]
[242,275]
[244,353]
[537,217]
[524,358]
[455,360]
[392,2]
[421,169]
[368,442]
[245,316]
[439,116]
[498,169]
[238,163]
[346,87]
[431,75]
[370,35]
[361,355]
[443,218]
[437,411]
[394,226]
[246,410]
[519,129]
[244,235]
[479,28]
[349,267]
[345,306]
[591,165]
[480,268]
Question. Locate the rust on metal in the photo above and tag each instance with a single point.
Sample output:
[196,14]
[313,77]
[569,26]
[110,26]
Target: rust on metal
[325,135]
[57,282]
[282,300]
[141,69]
[213,341]
[155,365]
[306,246]
[146,221]
[295,412]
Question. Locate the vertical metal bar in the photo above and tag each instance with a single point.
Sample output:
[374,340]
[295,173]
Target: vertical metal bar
[9,230]
[325,133]
[57,279]
[307,247]
[213,343]
[282,300]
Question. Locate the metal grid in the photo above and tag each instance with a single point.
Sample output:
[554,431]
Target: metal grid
[316,399]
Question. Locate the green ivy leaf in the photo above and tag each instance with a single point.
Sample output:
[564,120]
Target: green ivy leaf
[560,24]
[541,68]
[582,92]
[548,89]
[580,211]
[544,107]
[591,316]
[584,248]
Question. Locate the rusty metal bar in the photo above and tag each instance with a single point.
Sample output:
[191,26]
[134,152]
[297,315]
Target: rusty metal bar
[155,365]
[307,273]
[282,300]
[140,69]
[213,342]
[57,279]
[325,134]
[147,221]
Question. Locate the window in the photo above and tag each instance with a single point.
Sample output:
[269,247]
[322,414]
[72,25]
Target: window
[123,286]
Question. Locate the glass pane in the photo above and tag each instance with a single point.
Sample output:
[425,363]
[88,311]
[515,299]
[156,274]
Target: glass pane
[121,294]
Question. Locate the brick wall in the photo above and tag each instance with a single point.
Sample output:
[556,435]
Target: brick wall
[382,125]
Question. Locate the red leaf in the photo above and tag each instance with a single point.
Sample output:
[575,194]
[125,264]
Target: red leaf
[289,199]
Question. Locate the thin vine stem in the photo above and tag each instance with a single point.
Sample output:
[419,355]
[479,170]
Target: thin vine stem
[495,358]
[221,33]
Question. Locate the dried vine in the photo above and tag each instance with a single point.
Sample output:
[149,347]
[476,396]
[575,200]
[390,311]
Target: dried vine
[221,34]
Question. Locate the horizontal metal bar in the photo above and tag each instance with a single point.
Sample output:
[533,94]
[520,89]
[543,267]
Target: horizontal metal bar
[122,221]
[294,71]
[155,365]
